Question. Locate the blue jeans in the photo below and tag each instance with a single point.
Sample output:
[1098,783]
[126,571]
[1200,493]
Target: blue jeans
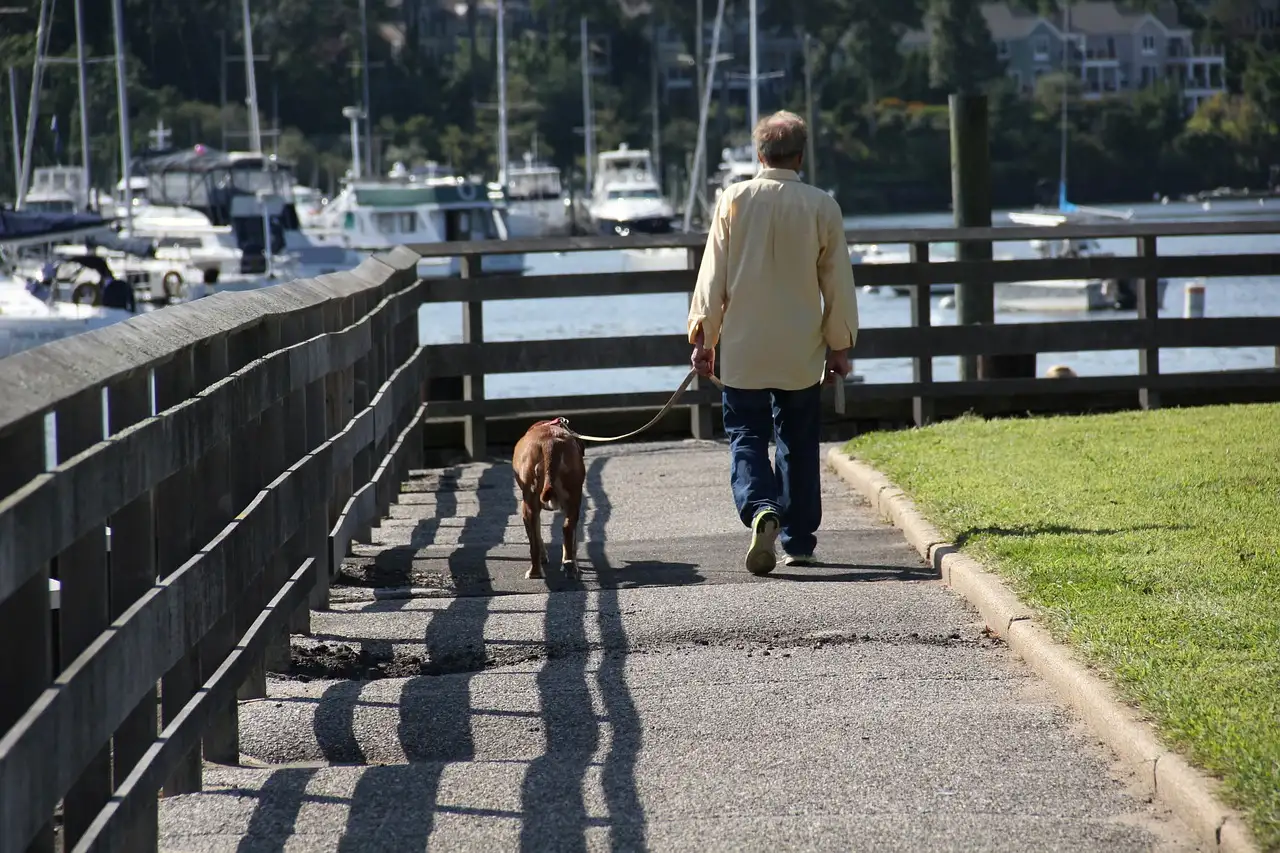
[792,485]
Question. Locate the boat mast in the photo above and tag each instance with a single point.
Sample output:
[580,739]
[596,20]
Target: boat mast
[656,129]
[84,106]
[503,153]
[255,129]
[13,117]
[364,79]
[33,107]
[122,106]
[701,149]
[1066,76]
[588,119]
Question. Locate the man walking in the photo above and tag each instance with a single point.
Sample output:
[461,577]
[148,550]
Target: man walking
[775,293]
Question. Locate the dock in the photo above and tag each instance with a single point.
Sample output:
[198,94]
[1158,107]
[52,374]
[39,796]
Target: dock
[307,630]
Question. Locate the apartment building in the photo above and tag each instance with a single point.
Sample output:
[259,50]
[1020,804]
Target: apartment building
[779,54]
[1112,48]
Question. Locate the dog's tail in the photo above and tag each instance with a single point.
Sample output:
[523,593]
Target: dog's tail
[559,457]
[548,493]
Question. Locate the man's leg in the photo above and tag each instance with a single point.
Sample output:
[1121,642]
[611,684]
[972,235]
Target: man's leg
[748,422]
[797,417]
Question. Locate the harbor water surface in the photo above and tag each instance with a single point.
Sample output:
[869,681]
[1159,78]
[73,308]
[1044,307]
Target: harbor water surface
[664,314]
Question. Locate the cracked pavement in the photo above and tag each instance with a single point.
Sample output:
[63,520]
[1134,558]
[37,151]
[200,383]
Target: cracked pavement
[667,701]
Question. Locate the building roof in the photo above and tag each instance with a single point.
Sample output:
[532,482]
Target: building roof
[1091,17]
[1010,23]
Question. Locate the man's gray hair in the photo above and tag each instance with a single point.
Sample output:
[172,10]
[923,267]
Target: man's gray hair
[781,137]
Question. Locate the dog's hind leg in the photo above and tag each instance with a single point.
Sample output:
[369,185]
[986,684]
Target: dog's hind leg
[569,557]
[533,528]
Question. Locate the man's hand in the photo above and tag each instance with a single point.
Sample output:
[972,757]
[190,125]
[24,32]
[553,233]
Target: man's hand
[838,365]
[703,359]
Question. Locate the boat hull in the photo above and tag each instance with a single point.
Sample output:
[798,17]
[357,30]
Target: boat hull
[641,225]
[1082,295]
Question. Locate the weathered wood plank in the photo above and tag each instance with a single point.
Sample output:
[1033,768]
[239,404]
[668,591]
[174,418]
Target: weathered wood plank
[38,522]
[85,606]
[144,341]
[25,626]
[1266,378]
[109,831]
[570,403]
[175,384]
[111,676]
[882,236]
[896,342]
[362,505]
[133,572]
[1054,269]
[494,288]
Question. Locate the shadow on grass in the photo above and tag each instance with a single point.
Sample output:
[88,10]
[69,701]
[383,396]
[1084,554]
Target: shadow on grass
[1028,530]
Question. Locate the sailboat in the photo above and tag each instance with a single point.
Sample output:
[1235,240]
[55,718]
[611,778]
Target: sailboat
[1066,211]
[536,201]
[1075,295]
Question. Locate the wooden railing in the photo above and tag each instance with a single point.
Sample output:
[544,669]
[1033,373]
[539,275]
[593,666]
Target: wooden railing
[475,357]
[193,477]
[211,463]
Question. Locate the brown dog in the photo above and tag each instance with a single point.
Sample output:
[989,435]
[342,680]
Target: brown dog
[550,469]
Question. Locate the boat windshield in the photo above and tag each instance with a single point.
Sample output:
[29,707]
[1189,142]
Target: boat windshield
[534,186]
[472,223]
[637,193]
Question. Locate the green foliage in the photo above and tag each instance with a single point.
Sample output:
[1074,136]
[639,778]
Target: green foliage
[880,131]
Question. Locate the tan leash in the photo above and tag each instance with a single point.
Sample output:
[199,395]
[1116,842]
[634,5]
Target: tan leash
[684,386]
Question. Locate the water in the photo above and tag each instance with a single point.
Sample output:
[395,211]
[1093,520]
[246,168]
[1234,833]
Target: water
[665,314]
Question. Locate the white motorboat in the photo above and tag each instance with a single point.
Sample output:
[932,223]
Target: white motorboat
[420,206]
[30,314]
[626,197]
[736,165]
[57,189]
[1073,295]
[537,204]
[251,194]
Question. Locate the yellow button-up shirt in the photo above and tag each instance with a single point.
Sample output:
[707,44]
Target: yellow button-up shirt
[775,289]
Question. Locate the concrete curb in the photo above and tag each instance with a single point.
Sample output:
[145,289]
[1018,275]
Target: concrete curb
[1185,790]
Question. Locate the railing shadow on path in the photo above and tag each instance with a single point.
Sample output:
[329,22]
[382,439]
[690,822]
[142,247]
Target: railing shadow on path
[554,792]
[435,711]
[280,800]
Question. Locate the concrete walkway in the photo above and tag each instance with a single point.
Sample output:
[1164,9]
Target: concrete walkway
[669,701]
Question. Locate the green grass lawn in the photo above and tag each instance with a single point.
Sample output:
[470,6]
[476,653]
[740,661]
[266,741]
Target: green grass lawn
[1151,542]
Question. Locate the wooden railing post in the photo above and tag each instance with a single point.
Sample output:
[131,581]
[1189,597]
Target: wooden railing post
[316,425]
[276,431]
[700,423]
[1148,310]
[26,628]
[922,405]
[249,442]
[133,572]
[84,610]
[213,501]
[294,414]
[334,408]
[174,543]
[474,429]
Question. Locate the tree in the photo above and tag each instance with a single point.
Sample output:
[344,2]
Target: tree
[962,56]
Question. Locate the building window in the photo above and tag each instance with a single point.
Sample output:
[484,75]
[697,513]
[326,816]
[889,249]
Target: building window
[1041,47]
[1002,49]
[1148,44]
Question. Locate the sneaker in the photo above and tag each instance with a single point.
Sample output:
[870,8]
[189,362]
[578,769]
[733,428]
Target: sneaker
[800,560]
[764,532]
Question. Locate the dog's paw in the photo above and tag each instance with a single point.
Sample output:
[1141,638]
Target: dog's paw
[570,568]
[533,574]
